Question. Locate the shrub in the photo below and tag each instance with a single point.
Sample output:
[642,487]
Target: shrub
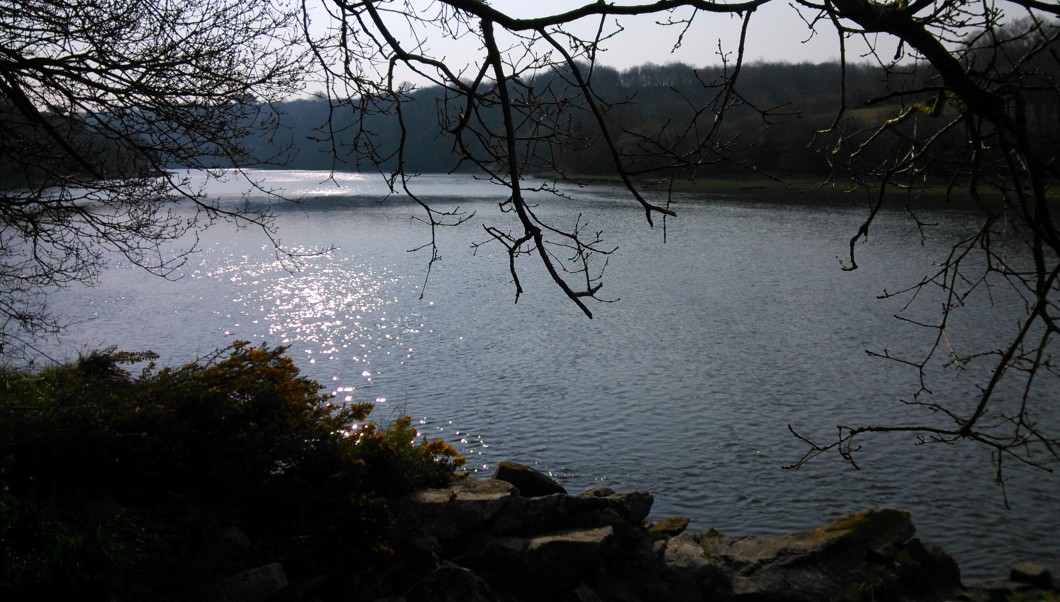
[112,484]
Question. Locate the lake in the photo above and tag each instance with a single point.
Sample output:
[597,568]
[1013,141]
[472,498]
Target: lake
[739,324]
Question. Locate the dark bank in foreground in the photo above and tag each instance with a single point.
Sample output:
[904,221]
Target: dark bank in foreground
[234,479]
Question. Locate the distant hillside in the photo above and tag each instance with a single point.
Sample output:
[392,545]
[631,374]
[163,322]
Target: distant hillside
[771,124]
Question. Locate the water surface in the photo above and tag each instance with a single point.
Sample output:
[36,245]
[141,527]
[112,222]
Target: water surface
[739,325]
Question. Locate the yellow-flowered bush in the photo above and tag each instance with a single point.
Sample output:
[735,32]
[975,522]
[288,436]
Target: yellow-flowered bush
[116,485]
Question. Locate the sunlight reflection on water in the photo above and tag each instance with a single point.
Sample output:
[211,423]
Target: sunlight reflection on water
[333,310]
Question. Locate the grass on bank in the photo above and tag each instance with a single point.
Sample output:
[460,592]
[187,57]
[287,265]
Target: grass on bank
[116,486]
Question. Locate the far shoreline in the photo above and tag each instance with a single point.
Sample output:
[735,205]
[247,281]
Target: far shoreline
[796,190]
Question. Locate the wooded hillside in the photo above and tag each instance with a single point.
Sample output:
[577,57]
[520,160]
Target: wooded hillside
[776,126]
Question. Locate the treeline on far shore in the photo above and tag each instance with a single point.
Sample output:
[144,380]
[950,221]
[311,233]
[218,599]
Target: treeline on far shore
[787,120]
[781,119]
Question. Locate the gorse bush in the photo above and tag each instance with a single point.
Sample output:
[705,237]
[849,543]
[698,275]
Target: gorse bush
[118,485]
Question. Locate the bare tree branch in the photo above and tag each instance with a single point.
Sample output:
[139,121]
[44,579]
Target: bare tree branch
[962,107]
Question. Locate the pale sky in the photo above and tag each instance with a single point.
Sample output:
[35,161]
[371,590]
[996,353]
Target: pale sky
[776,34]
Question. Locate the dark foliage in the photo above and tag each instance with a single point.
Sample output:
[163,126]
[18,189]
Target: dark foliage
[114,485]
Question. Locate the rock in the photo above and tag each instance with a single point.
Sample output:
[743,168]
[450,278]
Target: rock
[674,569]
[670,526]
[505,546]
[468,505]
[846,539]
[600,491]
[567,554]
[927,571]
[236,538]
[683,554]
[1032,574]
[1026,581]
[713,541]
[547,566]
[583,593]
[233,551]
[529,481]
[557,512]
[868,553]
[451,583]
[255,584]
[991,591]
[310,587]
[634,506]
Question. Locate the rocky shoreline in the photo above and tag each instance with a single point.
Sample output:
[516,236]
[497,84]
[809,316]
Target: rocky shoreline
[519,537]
